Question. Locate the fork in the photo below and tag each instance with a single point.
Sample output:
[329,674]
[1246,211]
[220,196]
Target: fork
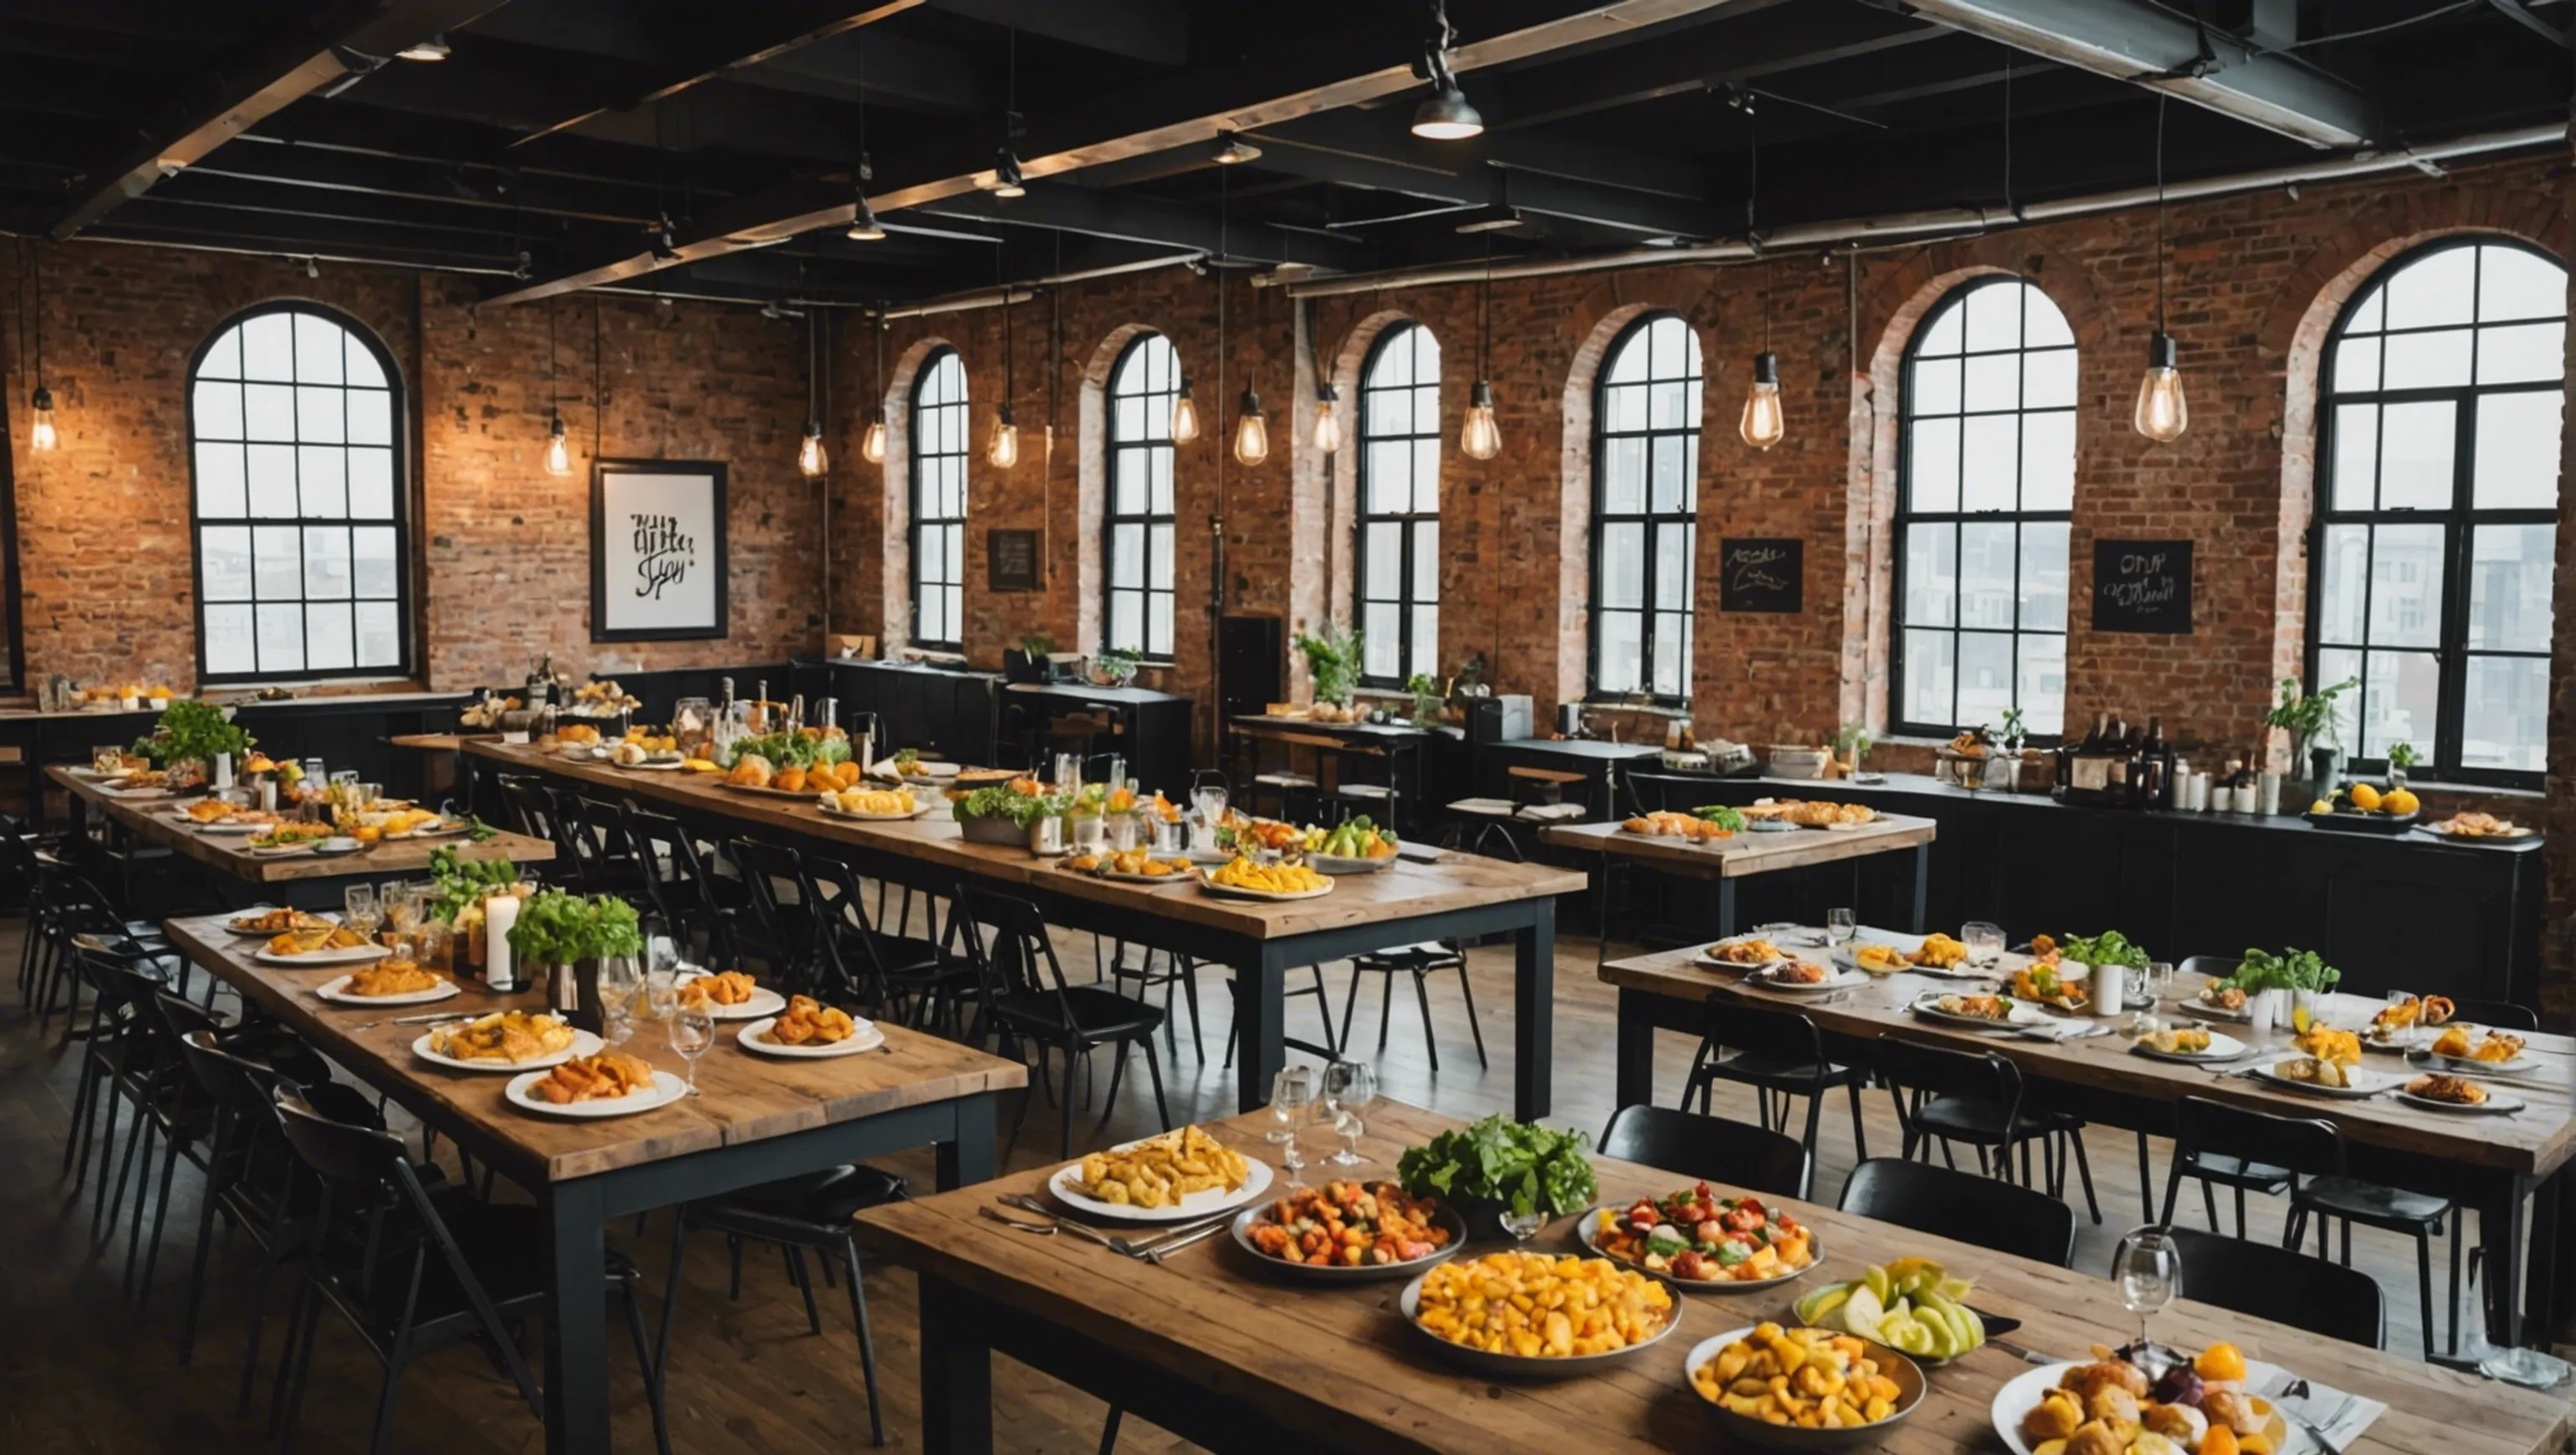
[2298,1389]
[1130,1247]
[416,1020]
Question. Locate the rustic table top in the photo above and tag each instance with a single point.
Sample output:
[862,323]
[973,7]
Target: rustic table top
[1335,1365]
[1748,852]
[1457,881]
[149,818]
[2535,1141]
[745,1097]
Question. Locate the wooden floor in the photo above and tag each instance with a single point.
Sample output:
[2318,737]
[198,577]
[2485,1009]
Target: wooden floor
[82,1370]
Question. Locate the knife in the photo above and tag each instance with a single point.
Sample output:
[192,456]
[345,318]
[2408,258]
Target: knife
[1157,1254]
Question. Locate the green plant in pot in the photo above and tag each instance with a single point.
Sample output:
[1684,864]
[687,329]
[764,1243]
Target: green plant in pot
[569,934]
[2402,759]
[1427,701]
[1004,813]
[2309,720]
[1113,667]
[1333,661]
[2278,986]
[194,733]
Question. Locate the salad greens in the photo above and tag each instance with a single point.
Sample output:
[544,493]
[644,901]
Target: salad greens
[1527,1167]
[555,928]
[1721,815]
[460,881]
[792,750]
[1006,802]
[2107,948]
[2296,969]
[193,730]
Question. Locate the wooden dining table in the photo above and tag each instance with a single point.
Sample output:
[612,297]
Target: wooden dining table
[2495,1163]
[1729,861]
[756,1120]
[1459,895]
[303,880]
[1226,1352]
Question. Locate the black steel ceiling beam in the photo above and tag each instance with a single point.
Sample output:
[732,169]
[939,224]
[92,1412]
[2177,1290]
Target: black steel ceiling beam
[1547,173]
[430,181]
[1735,48]
[1130,217]
[2515,11]
[1140,30]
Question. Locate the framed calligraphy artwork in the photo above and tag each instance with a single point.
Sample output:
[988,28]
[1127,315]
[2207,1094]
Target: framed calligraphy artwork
[2142,586]
[657,550]
[1761,574]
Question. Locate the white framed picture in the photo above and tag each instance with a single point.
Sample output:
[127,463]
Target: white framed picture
[657,550]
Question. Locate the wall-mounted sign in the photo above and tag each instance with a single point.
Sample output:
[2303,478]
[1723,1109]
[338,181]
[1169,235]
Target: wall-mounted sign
[2142,586]
[1761,575]
[1010,560]
[657,550]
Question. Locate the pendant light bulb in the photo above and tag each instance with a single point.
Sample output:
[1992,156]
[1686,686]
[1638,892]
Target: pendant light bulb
[864,226]
[1002,449]
[872,444]
[1444,115]
[2162,414]
[1251,432]
[1762,425]
[811,458]
[1328,425]
[40,429]
[1480,438]
[558,448]
[1185,415]
[1007,181]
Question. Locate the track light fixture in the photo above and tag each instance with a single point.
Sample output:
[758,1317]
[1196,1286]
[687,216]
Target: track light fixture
[1232,150]
[1444,115]
[433,49]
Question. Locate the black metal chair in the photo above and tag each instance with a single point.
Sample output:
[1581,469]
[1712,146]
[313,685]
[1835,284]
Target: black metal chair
[1421,961]
[1948,1203]
[920,982]
[1711,1149]
[1073,1020]
[1781,1055]
[248,1171]
[532,808]
[1949,1097]
[780,931]
[2279,1283]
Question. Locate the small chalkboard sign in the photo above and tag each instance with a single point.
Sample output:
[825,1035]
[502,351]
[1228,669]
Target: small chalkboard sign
[1010,560]
[2142,586]
[1761,575]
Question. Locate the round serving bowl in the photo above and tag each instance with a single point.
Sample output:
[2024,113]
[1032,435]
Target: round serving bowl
[1762,1434]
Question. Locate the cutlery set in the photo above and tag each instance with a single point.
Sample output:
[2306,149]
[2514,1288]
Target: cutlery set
[1150,1248]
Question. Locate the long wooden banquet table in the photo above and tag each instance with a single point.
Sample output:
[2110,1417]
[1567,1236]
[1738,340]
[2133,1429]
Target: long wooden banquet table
[301,881]
[1221,1351]
[1732,859]
[2490,1162]
[1461,895]
[757,1119]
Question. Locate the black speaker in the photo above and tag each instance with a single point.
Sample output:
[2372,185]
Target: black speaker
[1252,664]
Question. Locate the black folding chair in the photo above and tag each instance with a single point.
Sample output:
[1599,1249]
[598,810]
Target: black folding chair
[1053,1016]
[2280,1283]
[1780,1054]
[1708,1148]
[1948,1203]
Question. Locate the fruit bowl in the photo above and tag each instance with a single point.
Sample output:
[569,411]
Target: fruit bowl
[1911,1305]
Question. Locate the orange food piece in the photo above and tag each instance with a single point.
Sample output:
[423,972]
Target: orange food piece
[789,780]
[2220,1361]
[2219,1441]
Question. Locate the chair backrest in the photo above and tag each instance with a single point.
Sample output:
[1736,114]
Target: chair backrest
[1948,1203]
[2309,1146]
[1915,1072]
[241,1086]
[1008,963]
[530,806]
[1707,1148]
[845,932]
[185,1017]
[341,1153]
[2503,1015]
[2217,967]
[2278,1283]
[1733,1025]
[655,841]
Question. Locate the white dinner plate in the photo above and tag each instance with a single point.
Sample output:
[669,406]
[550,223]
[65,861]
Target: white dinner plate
[336,992]
[2194,1005]
[667,1088]
[1198,1204]
[583,1044]
[1343,864]
[752,1038]
[1228,891]
[2365,1084]
[2467,1066]
[1835,979]
[2018,1014]
[316,959]
[2498,1103]
[282,851]
[433,831]
[231,826]
[833,810]
[2021,1394]
[764,1001]
[260,909]
[2222,1047]
[650,766]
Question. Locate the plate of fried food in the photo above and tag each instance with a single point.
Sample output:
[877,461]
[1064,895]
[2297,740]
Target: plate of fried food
[1804,977]
[1940,954]
[1746,952]
[388,982]
[2112,1407]
[730,995]
[418,823]
[1539,1315]
[505,1040]
[2219,1002]
[2059,987]
[1983,1011]
[1807,814]
[2461,1048]
[2400,1025]
[320,944]
[809,1028]
[603,1084]
[2343,1080]
[879,805]
[2188,1043]
[2441,1091]
[281,839]
[1758,1380]
[264,921]
[1132,866]
[2478,826]
[1172,1178]
[1240,878]
[1668,824]
[1350,1232]
[1703,1241]
[146,784]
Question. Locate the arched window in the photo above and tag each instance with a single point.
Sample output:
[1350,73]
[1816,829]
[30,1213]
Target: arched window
[1398,569]
[299,511]
[939,501]
[1645,510]
[1138,542]
[1985,491]
[2437,509]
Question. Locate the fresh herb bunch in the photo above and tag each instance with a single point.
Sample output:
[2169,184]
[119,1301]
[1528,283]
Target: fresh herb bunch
[460,881]
[2107,948]
[1722,815]
[1006,802]
[555,928]
[2310,714]
[197,730]
[793,750]
[1526,1167]
[1332,659]
[2293,969]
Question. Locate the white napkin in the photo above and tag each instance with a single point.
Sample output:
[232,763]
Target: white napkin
[2351,1413]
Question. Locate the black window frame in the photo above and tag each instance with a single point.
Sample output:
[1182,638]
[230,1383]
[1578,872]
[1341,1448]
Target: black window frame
[915,408]
[1646,517]
[1156,405]
[1905,516]
[1408,595]
[398,448]
[2458,521]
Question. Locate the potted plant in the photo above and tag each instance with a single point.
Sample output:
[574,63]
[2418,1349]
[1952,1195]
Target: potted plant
[1333,661]
[196,741]
[1027,662]
[1852,743]
[1113,667]
[569,935]
[2402,759]
[1427,701]
[1008,813]
[2309,720]
[2288,982]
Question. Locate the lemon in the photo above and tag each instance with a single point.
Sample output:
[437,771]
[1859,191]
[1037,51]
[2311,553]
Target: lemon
[2365,797]
[2322,805]
[2400,801]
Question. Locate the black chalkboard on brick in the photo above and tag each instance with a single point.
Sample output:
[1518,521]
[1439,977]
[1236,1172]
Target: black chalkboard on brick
[1010,560]
[2142,586]
[1761,574]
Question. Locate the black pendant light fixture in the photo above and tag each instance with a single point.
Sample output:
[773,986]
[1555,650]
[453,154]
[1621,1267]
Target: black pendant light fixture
[1444,115]
[1002,447]
[872,445]
[1007,181]
[558,446]
[1480,438]
[1761,425]
[2162,414]
[864,226]
[1251,427]
[811,458]
[40,405]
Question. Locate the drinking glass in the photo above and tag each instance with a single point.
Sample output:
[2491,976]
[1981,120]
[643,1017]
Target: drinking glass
[2160,979]
[662,988]
[370,794]
[1349,1087]
[1292,1098]
[1523,1226]
[1839,927]
[2148,1268]
[621,984]
[358,910]
[107,759]
[1122,833]
[1985,942]
[692,1031]
[402,908]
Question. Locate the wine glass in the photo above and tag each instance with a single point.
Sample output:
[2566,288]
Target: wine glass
[620,984]
[2148,1268]
[1985,942]
[692,1031]
[662,985]
[402,905]
[1292,1098]
[1839,927]
[1349,1087]
[1524,1226]
[358,910]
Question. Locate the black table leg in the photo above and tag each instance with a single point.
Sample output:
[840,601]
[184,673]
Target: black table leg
[1260,1014]
[968,1159]
[956,1371]
[1725,907]
[1634,1083]
[2541,1313]
[1922,883]
[576,1320]
[2501,1229]
[1533,1011]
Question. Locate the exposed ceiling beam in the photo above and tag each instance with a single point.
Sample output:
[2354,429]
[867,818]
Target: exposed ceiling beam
[2513,10]
[348,40]
[1143,30]
[1128,217]
[1542,174]
[1316,76]
[2143,43]
[374,174]
[1763,43]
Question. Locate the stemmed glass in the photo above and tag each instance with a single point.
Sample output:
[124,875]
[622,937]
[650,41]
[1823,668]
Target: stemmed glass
[1839,927]
[2148,1268]
[692,1031]
[358,911]
[620,987]
[1349,1087]
[402,905]
[1292,1098]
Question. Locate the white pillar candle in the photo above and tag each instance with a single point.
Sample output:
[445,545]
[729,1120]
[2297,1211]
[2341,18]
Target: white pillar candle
[499,913]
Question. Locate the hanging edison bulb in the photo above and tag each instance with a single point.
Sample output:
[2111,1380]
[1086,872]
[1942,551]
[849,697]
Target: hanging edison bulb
[1251,432]
[811,459]
[1002,448]
[1328,425]
[40,429]
[1185,415]
[1762,425]
[558,448]
[2162,414]
[1480,438]
[872,444]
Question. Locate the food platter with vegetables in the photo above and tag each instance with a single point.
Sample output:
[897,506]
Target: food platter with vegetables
[1703,1241]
